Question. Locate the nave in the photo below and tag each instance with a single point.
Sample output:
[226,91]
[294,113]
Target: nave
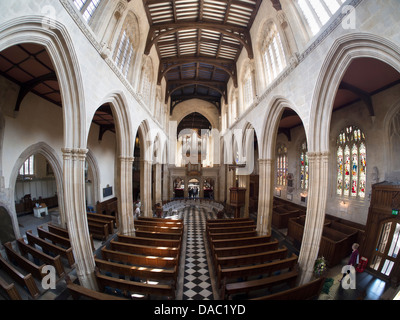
[197,276]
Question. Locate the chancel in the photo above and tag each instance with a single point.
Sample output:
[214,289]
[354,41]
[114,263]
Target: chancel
[199,150]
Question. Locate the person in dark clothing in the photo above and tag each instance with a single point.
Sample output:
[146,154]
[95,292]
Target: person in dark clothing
[354,258]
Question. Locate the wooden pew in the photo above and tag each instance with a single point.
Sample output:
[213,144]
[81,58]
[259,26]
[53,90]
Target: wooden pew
[139,260]
[98,230]
[25,281]
[164,223]
[48,246]
[169,276]
[145,250]
[149,241]
[308,291]
[246,249]
[175,230]
[347,230]
[230,224]
[224,274]
[54,238]
[290,276]
[177,221]
[249,259]
[334,246]
[158,235]
[108,207]
[26,249]
[64,232]
[227,220]
[234,235]
[10,290]
[109,223]
[24,263]
[135,286]
[103,217]
[224,243]
[282,214]
[77,291]
[231,229]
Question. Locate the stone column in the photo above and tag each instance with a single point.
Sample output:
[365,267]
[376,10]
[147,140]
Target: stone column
[125,198]
[157,184]
[244,182]
[75,211]
[265,196]
[145,187]
[316,204]
[166,184]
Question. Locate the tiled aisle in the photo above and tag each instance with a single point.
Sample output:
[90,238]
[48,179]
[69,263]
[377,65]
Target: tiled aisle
[197,283]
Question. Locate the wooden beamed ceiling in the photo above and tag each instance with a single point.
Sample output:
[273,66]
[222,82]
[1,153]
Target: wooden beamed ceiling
[198,43]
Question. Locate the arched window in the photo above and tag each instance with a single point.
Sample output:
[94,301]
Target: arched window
[318,12]
[87,8]
[126,47]
[248,87]
[281,165]
[351,163]
[28,168]
[124,54]
[146,83]
[304,166]
[273,54]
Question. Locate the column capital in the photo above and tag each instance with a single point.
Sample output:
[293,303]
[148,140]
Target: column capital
[126,158]
[318,155]
[76,153]
[265,161]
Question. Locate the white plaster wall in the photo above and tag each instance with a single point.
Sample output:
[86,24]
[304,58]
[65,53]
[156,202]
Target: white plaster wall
[37,121]
[104,152]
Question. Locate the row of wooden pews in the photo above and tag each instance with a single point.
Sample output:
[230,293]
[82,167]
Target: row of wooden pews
[246,262]
[144,266]
[24,262]
[283,211]
[336,241]
[101,226]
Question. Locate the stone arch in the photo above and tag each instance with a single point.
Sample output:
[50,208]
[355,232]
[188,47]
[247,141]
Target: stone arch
[339,58]
[51,156]
[206,109]
[7,232]
[92,161]
[269,132]
[56,40]
[392,143]
[123,125]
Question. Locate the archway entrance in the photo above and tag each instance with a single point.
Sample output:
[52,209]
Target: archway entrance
[193,188]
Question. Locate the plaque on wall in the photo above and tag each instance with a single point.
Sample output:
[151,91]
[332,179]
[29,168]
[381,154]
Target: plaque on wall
[107,191]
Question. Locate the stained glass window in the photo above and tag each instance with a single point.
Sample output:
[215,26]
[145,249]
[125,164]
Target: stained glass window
[282,166]
[304,167]
[351,159]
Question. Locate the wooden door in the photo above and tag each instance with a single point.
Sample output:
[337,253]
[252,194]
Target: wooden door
[385,260]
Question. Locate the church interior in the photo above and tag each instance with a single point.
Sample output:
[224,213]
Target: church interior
[199,150]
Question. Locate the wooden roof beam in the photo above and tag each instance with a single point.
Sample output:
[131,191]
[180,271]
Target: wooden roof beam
[238,33]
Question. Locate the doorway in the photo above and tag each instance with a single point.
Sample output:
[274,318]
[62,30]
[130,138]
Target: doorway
[385,259]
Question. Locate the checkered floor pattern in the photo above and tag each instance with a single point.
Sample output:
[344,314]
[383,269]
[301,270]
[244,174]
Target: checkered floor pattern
[197,284]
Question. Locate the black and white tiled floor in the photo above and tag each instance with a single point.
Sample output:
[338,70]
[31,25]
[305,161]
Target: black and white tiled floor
[197,284]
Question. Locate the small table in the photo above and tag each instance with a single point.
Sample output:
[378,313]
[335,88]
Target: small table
[37,212]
